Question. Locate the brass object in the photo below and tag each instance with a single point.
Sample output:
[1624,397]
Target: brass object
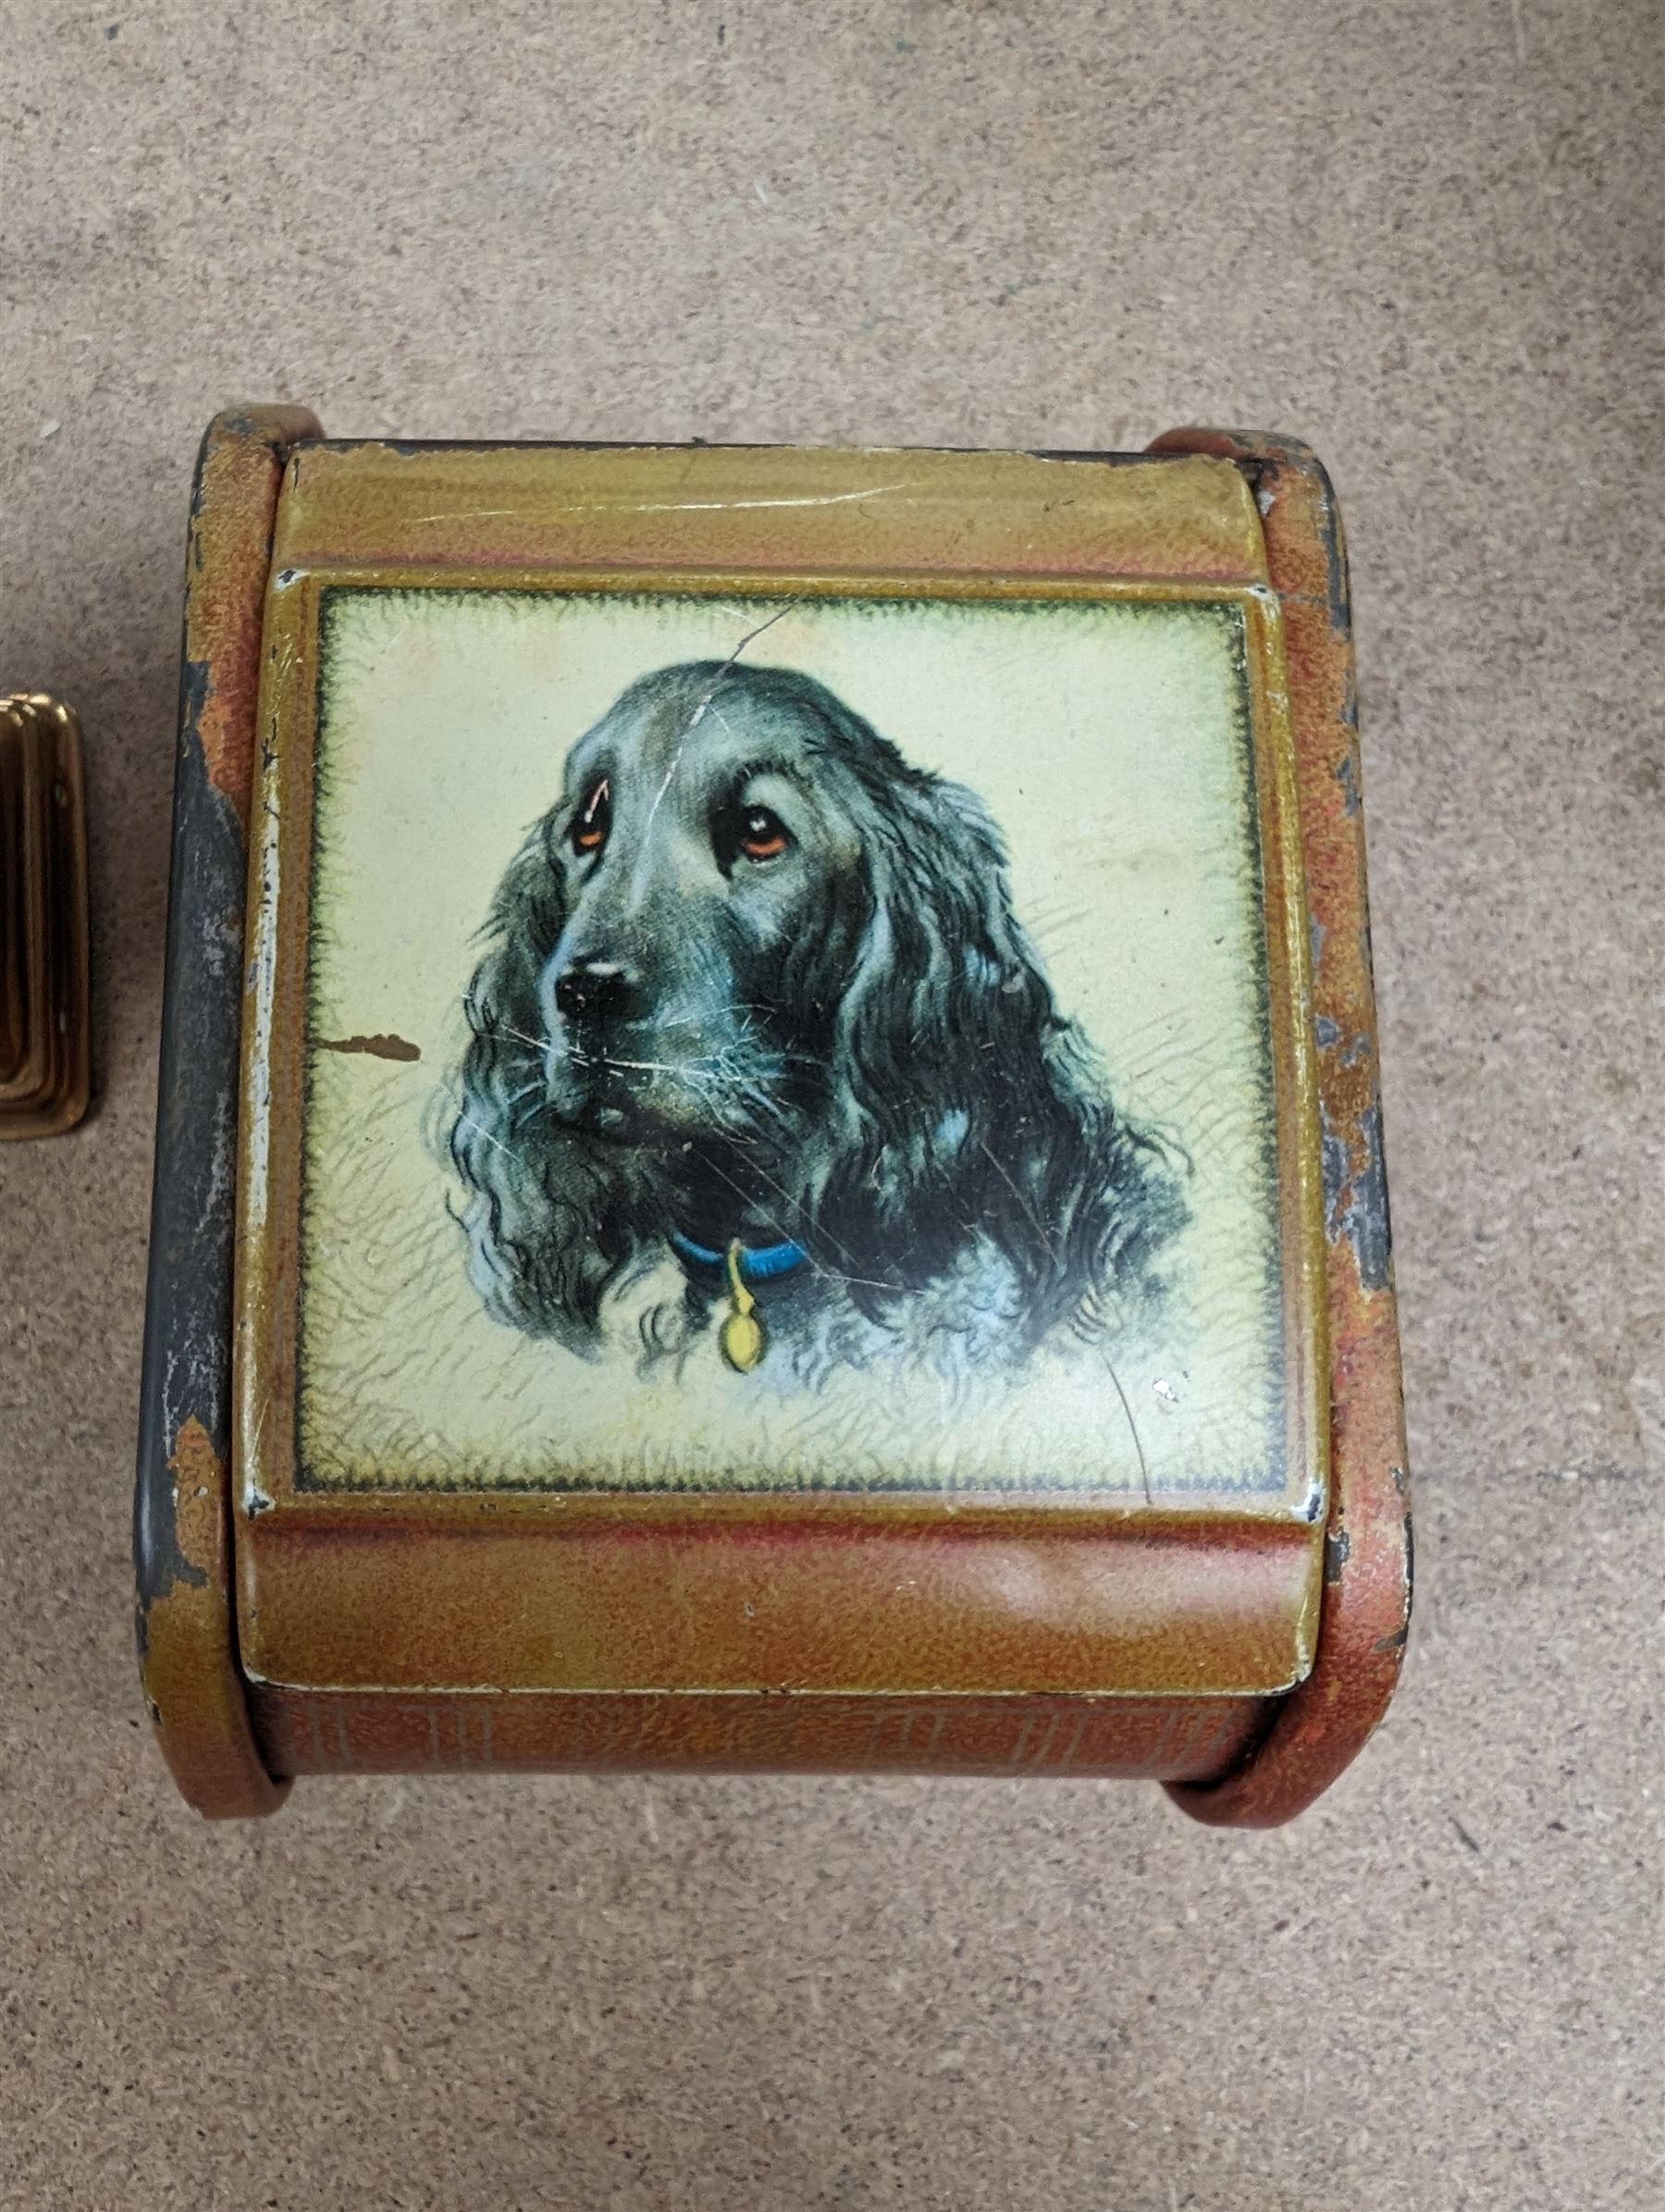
[44,1012]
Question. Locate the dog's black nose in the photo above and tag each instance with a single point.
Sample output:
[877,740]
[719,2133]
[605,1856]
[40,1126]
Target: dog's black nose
[594,991]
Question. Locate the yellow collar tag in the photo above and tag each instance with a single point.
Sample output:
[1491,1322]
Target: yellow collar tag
[742,1339]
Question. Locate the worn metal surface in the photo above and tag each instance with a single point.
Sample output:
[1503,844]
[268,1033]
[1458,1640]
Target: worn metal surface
[378,506]
[1366,1603]
[955,1596]
[342,1732]
[45,987]
[410,1590]
[360,1601]
[181,1531]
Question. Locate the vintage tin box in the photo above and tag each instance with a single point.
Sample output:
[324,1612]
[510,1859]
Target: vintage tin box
[768,1150]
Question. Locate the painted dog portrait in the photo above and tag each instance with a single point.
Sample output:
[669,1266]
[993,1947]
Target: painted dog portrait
[754,1003]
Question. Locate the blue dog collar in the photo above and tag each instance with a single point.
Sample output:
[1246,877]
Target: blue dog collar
[763,1263]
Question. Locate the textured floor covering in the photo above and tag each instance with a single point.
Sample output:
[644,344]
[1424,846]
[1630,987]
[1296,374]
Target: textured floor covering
[1427,239]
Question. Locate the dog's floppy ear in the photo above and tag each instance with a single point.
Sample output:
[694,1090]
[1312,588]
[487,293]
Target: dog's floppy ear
[943,1023]
[970,1105]
[552,1217]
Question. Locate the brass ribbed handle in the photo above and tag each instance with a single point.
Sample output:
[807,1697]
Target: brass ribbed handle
[44,985]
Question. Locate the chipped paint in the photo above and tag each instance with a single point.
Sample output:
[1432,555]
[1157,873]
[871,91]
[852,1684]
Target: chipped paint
[381,1046]
[181,1520]
[199,1480]
[232,506]
[194,1676]
[1368,1554]
[1355,1192]
[260,985]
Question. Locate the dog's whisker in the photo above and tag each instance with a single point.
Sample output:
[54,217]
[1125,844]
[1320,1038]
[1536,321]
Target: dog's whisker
[644,1067]
[785,1103]
[520,1036]
[703,1068]
[700,1071]
[740,1006]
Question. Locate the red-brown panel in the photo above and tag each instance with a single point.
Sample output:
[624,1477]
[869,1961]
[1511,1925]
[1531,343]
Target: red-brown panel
[312,1732]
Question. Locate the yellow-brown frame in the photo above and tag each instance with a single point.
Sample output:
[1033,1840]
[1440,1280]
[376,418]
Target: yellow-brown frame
[1210,1591]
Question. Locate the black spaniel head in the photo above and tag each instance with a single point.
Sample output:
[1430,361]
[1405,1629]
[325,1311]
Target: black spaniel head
[753,976]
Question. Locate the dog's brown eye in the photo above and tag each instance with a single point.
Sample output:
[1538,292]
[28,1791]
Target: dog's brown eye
[594,820]
[762,834]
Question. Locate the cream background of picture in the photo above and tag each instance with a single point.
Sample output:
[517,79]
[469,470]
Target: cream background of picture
[1109,743]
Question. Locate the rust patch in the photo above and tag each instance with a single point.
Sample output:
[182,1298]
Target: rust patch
[187,1639]
[1355,1192]
[381,1046]
[1367,1581]
[193,1689]
[199,1486]
[229,554]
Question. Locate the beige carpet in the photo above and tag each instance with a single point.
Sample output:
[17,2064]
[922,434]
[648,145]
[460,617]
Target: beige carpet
[1427,238]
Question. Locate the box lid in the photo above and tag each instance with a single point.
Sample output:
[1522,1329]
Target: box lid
[777,1144]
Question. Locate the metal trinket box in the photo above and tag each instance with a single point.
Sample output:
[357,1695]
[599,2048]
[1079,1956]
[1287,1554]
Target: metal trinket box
[769,1152]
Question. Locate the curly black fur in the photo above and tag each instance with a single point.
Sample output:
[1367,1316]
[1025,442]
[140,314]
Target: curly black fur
[851,1043]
